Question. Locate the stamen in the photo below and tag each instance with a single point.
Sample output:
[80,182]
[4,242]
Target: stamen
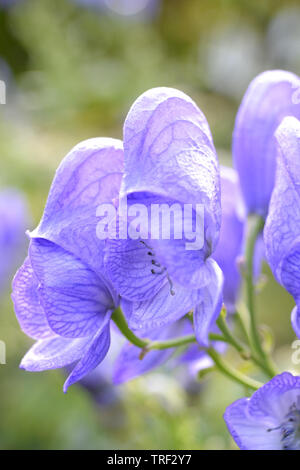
[274,429]
[158,265]
[158,272]
[290,429]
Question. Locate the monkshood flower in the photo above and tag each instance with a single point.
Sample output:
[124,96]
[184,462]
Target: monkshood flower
[282,227]
[270,419]
[14,219]
[61,295]
[231,242]
[169,160]
[270,97]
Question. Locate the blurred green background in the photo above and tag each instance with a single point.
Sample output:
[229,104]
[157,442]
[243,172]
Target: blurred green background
[72,72]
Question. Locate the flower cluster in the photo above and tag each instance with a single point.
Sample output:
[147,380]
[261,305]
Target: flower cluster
[75,287]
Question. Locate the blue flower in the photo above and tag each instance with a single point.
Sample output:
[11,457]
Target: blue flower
[282,227]
[61,294]
[270,97]
[169,159]
[66,290]
[270,419]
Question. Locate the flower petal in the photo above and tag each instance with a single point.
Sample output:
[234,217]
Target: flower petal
[269,98]
[209,306]
[275,398]
[171,242]
[162,308]
[74,298]
[168,151]
[53,353]
[29,312]
[128,266]
[249,433]
[87,177]
[93,356]
[282,227]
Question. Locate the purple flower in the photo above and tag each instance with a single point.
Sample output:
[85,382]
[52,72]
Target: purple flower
[61,294]
[270,97]
[231,242]
[282,228]
[169,158]
[270,419]
[14,218]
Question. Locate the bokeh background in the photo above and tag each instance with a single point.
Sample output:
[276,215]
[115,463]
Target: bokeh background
[72,70]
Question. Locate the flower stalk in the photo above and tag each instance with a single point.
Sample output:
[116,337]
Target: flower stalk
[232,373]
[255,340]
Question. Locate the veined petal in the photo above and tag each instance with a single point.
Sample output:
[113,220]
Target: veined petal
[249,433]
[275,398]
[53,353]
[96,352]
[29,311]
[129,268]
[290,272]
[282,227]
[74,298]
[169,243]
[88,176]
[162,308]
[270,97]
[270,418]
[209,306]
[168,151]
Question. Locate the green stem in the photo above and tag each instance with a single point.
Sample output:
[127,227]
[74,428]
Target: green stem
[233,374]
[171,343]
[121,323]
[254,333]
[241,323]
[221,322]
[147,344]
[244,353]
